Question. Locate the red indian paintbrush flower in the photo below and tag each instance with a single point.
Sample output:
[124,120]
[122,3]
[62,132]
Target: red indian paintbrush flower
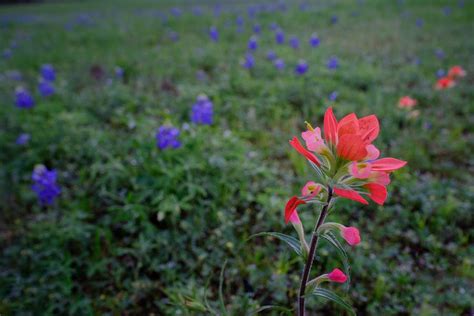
[346,154]
[407,102]
[445,83]
[456,72]
[337,275]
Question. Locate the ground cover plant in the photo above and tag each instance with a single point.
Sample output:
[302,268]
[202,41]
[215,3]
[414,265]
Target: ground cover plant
[144,145]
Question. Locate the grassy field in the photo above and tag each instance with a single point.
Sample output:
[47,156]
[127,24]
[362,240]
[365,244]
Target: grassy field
[137,230]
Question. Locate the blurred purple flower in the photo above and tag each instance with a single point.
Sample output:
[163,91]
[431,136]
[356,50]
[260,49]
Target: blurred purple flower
[119,72]
[440,73]
[333,96]
[279,37]
[314,40]
[213,33]
[334,19]
[447,11]
[248,61]
[202,111]
[271,55]
[167,137]
[257,28]
[45,88]
[302,67]
[279,64]
[176,12]
[252,44]
[333,63]
[294,42]
[22,139]
[440,53]
[274,26]
[240,21]
[24,99]
[419,22]
[173,36]
[47,72]
[7,53]
[44,184]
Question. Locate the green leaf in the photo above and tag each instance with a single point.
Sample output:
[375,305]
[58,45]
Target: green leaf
[327,294]
[291,241]
[221,288]
[272,307]
[342,253]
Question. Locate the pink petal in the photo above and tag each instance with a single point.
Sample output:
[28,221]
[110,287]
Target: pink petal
[350,194]
[303,151]
[351,235]
[388,164]
[337,276]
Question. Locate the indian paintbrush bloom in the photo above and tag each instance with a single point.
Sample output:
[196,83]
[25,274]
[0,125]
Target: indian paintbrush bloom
[45,184]
[23,99]
[445,83]
[406,102]
[202,112]
[302,67]
[167,137]
[47,72]
[346,165]
[456,72]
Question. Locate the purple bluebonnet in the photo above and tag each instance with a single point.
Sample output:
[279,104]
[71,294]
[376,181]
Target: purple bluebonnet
[7,53]
[274,26]
[279,37]
[439,53]
[279,64]
[252,44]
[440,73]
[213,33]
[23,99]
[419,22]
[23,139]
[271,55]
[44,184]
[47,72]
[314,40]
[447,11]
[257,28]
[45,88]
[201,75]
[173,36]
[294,42]
[334,19]
[118,72]
[333,96]
[176,11]
[333,63]
[248,61]
[302,67]
[202,111]
[167,137]
[239,21]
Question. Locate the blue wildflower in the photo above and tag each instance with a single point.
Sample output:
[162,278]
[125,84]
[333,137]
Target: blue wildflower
[253,44]
[279,64]
[333,63]
[257,28]
[213,33]
[202,111]
[279,37]
[46,88]
[294,42]
[23,139]
[302,67]
[248,62]
[44,184]
[119,72]
[439,53]
[274,26]
[167,137]
[7,53]
[271,55]
[47,72]
[419,22]
[334,19]
[314,40]
[440,73]
[24,99]
[333,96]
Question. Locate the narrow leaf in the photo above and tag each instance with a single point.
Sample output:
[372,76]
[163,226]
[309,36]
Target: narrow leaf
[221,288]
[291,241]
[327,294]
[271,307]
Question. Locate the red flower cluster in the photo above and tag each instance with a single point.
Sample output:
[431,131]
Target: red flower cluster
[347,158]
[449,81]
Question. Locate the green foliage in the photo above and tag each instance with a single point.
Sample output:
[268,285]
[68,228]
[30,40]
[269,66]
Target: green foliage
[138,231]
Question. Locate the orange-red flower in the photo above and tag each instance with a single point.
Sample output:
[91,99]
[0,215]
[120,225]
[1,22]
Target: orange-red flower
[290,208]
[456,72]
[407,102]
[445,83]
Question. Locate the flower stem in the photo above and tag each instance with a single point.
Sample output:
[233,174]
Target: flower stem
[312,253]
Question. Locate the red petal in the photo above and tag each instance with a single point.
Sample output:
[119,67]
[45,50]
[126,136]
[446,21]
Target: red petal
[378,192]
[348,125]
[290,207]
[351,147]
[369,128]
[387,164]
[350,194]
[299,148]
[330,126]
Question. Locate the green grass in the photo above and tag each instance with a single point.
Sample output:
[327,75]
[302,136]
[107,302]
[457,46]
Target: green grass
[139,231]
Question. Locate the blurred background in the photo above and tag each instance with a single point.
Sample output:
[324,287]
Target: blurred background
[143,143]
